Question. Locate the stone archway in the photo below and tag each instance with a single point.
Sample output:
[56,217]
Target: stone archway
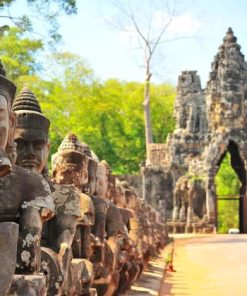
[209,122]
[238,166]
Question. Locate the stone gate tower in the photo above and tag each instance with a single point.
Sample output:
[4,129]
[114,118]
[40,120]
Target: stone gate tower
[209,122]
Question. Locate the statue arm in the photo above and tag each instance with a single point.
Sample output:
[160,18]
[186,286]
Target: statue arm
[28,255]
[64,229]
[37,206]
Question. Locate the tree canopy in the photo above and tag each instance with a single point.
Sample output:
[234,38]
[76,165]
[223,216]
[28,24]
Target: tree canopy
[41,18]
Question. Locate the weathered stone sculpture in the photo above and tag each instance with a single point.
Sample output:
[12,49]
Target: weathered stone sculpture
[31,136]
[130,261]
[100,204]
[25,197]
[69,166]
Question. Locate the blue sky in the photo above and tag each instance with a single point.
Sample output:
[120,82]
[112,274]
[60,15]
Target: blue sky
[111,55]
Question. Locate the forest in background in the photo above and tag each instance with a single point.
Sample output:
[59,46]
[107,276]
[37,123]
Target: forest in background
[107,115]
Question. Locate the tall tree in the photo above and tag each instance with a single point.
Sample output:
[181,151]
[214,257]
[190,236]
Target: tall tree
[147,23]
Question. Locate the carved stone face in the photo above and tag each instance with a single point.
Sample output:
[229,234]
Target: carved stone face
[91,184]
[101,181]
[131,199]
[69,174]
[92,170]
[120,200]
[70,168]
[4,122]
[32,149]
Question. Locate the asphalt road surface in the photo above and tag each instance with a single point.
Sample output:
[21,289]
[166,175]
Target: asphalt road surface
[208,266]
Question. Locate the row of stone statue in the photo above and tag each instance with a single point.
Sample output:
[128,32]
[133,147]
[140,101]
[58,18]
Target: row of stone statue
[80,231]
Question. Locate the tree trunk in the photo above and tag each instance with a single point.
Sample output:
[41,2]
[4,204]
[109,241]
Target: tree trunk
[147,117]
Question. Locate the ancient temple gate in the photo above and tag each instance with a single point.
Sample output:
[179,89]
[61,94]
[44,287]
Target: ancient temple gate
[209,123]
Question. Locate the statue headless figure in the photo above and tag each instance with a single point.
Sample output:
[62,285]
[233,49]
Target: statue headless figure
[117,236]
[196,203]
[189,201]
[128,261]
[136,231]
[25,197]
[146,229]
[102,256]
[181,199]
[31,136]
[69,166]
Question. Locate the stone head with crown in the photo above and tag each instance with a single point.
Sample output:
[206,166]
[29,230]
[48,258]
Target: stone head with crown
[31,134]
[69,164]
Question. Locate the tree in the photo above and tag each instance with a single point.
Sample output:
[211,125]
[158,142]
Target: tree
[106,115]
[42,14]
[141,21]
[18,54]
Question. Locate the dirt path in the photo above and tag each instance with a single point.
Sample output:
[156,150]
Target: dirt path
[211,266]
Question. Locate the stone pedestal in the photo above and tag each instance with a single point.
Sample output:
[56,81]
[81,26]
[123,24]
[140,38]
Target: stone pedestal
[209,229]
[179,227]
[92,292]
[31,285]
[81,277]
[8,251]
[189,228]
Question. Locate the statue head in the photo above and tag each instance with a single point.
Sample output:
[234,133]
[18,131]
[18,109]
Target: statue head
[131,199]
[111,190]
[31,134]
[7,118]
[92,171]
[120,200]
[101,181]
[86,150]
[69,164]
[93,161]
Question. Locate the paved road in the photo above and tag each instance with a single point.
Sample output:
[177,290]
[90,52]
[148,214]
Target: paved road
[208,266]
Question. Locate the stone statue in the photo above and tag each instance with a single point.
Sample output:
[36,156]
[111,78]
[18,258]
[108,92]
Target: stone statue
[100,204]
[70,166]
[25,196]
[130,256]
[33,147]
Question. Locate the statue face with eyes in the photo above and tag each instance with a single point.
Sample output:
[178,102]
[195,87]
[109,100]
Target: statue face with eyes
[4,122]
[32,149]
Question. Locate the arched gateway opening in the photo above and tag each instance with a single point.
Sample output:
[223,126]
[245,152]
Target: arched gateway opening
[230,206]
